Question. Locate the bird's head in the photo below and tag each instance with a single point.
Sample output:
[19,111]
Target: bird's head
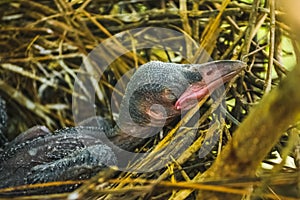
[158,91]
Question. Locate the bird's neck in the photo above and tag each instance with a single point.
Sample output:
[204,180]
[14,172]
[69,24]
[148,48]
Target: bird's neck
[130,137]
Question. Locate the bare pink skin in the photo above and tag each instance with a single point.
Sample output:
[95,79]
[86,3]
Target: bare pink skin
[191,96]
[212,79]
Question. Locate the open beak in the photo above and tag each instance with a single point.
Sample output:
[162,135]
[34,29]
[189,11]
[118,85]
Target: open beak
[214,74]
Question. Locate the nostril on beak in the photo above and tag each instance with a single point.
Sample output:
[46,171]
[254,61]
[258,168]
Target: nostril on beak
[209,72]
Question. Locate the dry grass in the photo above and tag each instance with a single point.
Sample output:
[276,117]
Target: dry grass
[42,47]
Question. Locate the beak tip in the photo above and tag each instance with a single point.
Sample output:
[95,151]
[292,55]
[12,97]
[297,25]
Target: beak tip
[243,65]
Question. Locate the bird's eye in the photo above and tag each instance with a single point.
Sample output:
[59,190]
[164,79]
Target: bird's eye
[169,96]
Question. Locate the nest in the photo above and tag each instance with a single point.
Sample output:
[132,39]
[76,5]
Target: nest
[45,43]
